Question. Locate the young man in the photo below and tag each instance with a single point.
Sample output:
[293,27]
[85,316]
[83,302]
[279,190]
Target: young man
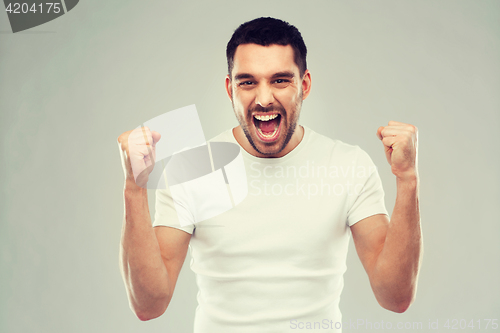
[276,261]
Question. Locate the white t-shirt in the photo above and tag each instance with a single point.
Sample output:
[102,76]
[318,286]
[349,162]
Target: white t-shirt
[275,262]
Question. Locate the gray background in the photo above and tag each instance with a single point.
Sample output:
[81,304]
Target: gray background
[69,87]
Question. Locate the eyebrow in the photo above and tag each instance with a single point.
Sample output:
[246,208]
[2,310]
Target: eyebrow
[242,76]
[239,77]
[286,74]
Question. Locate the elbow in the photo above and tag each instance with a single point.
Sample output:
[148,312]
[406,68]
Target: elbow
[143,316]
[150,313]
[398,306]
[397,298]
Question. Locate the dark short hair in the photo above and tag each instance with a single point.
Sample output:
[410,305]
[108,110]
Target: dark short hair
[267,31]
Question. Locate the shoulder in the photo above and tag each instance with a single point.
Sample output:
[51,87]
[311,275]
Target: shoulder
[327,145]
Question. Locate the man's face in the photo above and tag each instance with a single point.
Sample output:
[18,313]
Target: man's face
[267,91]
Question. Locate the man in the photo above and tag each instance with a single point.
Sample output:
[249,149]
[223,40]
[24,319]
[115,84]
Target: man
[275,262]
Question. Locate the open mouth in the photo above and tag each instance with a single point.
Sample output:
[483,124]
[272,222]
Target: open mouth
[268,126]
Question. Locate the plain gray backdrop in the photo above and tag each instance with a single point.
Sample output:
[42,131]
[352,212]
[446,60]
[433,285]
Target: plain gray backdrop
[69,87]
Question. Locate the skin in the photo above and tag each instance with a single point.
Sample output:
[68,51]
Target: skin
[150,258]
[266,80]
[390,251]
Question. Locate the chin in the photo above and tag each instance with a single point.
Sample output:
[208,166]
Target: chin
[268,130]
[269,145]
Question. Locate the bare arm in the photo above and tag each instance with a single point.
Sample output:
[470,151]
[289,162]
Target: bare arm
[391,252]
[150,259]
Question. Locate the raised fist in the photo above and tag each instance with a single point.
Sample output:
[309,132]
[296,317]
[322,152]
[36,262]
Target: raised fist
[400,145]
[138,152]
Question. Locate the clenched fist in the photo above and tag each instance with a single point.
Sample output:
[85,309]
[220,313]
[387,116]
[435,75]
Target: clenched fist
[138,152]
[400,144]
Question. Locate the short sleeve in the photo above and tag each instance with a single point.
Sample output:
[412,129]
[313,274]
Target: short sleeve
[168,213]
[368,190]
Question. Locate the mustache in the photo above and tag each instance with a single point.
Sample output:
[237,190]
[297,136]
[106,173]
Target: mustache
[259,108]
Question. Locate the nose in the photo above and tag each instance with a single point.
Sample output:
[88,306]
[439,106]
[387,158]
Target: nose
[264,96]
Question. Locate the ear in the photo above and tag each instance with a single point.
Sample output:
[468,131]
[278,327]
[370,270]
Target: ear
[306,84]
[229,88]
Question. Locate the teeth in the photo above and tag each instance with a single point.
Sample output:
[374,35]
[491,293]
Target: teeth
[266,118]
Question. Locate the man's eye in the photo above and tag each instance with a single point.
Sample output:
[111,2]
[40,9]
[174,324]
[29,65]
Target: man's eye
[281,83]
[246,83]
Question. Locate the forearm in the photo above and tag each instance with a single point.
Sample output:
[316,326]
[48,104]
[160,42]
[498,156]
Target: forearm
[143,271]
[396,270]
